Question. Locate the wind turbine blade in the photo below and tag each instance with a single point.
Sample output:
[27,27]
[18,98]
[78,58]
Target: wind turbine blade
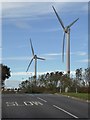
[32,47]
[59,18]
[73,23]
[63,47]
[29,64]
[40,58]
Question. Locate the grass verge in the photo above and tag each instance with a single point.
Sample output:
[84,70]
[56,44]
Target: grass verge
[83,96]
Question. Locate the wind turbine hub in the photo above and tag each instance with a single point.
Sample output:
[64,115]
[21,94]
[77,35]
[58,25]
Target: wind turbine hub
[35,56]
[66,30]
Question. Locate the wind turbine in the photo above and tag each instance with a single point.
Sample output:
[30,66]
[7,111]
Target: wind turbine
[67,34]
[35,58]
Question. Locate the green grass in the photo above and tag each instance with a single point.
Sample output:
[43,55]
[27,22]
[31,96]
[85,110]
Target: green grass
[83,96]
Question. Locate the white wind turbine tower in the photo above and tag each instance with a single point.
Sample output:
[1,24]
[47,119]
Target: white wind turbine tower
[35,57]
[67,33]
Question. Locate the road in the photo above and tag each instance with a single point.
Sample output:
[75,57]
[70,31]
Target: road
[41,106]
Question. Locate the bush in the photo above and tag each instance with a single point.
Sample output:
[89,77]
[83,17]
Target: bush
[84,90]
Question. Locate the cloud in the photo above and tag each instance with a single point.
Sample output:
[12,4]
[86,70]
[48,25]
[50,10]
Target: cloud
[53,54]
[27,0]
[22,25]
[50,56]
[19,13]
[27,73]
[47,56]
[43,1]
[49,30]
[80,53]
[38,73]
[24,46]
[12,83]
[35,9]
[17,10]
[21,73]
[84,61]
[17,58]
[85,8]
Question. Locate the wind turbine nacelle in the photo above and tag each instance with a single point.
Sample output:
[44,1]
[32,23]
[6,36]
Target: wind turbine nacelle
[67,29]
[35,56]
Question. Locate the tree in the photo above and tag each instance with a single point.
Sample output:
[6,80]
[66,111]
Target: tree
[66,82]
[79,78]
[4,73]
[79,75]
[42,81]
[24,84]
[87,75]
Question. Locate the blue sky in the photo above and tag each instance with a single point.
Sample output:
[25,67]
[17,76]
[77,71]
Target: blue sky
[22,21]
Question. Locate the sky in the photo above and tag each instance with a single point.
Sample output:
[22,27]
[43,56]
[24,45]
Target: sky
[37,20]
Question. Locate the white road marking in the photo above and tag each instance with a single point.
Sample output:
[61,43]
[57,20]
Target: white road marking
[28,103]
[10,104]
[18,104]
[41,99]
[65,111]
[24,103]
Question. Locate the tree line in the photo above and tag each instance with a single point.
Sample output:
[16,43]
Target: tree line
[51,82]
[58,82]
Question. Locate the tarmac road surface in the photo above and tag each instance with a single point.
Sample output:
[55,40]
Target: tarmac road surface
[42,106]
